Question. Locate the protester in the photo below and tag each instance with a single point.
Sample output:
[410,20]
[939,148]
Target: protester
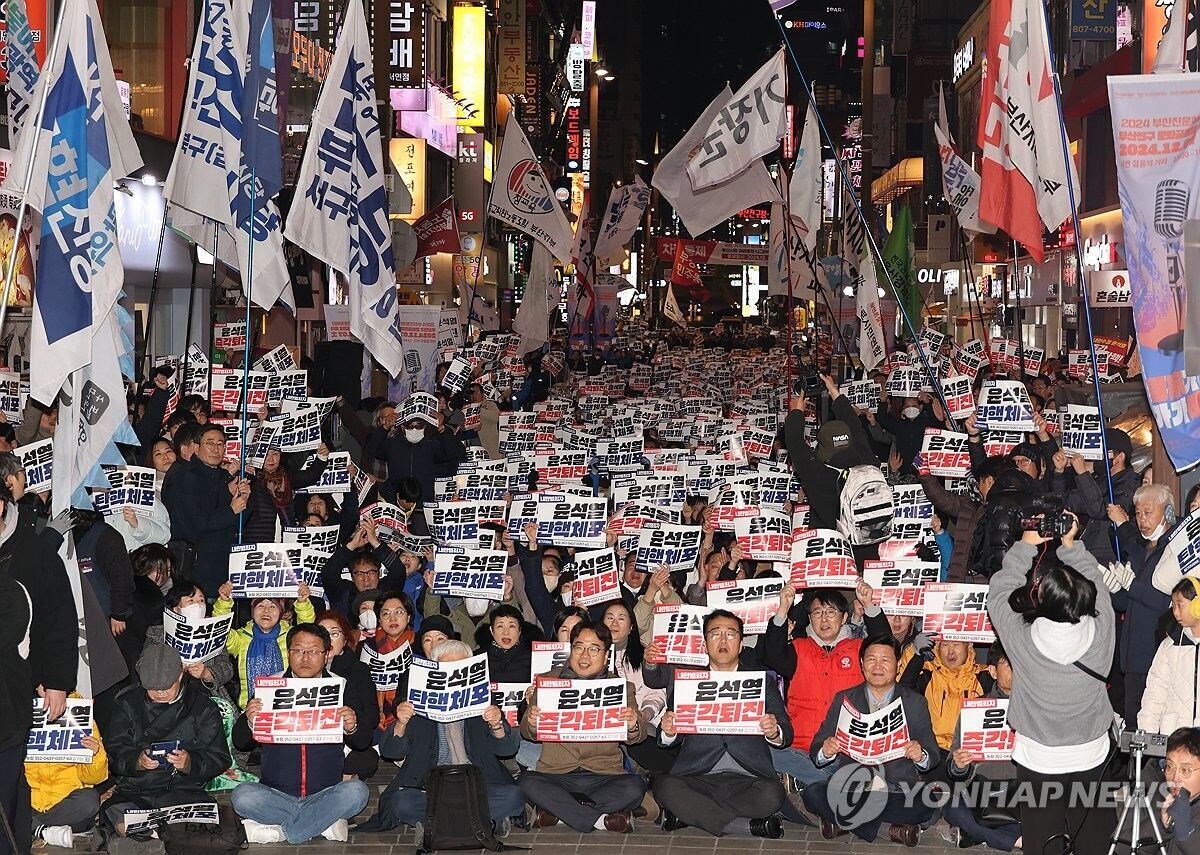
[63,796]
[302,794]
[1173,683]
[1180,811]
[215,673]
[394,616]
[260,646]
[273,490]
[506,642]
[946,680]
[1084,489]
[16,625]
[416,450]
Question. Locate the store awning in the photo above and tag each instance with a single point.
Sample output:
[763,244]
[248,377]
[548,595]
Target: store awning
[905,175]
[1089,91]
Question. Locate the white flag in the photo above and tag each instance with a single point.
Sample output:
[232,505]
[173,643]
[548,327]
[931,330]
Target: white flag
[860,267]
[480,314]
[798,237]
[543,293]
[206,176]
[700,210]
[804,191]
[340,212]
[22,65]
[748,126]
[625,207]
[522,197]
[1178,40]
[671,308]
[960,183]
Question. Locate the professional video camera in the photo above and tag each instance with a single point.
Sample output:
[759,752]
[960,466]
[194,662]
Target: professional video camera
[1046,515]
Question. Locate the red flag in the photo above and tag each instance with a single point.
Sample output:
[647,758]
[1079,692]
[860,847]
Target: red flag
[437,231]
[688,258]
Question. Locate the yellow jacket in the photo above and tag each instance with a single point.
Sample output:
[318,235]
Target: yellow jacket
[238,643]
[944,690]
[50,783]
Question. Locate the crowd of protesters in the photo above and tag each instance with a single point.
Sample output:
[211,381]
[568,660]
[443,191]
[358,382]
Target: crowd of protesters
[1093,618]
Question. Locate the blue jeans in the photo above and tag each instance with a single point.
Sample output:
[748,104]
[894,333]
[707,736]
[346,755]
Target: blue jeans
[301,819]
[799,765]
[1003,838]
[408,804]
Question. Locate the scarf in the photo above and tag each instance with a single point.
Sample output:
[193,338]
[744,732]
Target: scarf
[387,698]
[263,658]
[452,744]
[279,488]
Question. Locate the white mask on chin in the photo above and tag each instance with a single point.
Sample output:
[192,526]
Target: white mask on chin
[567,595]
[551,581]
[1159,531]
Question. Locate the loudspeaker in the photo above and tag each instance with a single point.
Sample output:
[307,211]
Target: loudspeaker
[337,370]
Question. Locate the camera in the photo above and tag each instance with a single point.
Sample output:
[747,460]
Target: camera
[808,383]
[1046,515]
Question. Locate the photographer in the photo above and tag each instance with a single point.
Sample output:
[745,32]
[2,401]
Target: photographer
[1083,488]
[1056,620]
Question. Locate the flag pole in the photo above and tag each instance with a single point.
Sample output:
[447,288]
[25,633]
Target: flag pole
[187,335]
[212,309]
[848,186]
[787,253]
[248,283]
[162,235]
[40,116]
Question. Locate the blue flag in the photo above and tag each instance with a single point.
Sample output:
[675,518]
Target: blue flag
[261,152]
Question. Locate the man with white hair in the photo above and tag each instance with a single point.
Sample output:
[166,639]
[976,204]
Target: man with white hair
[423,744]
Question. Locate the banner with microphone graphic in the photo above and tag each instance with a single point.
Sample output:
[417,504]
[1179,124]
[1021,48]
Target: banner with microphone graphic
[1155,126]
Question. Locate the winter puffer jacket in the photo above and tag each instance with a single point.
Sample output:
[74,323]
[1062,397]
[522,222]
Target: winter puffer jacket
[944,688]
[999,526]
[1173,684]
[238,643]
[50,783]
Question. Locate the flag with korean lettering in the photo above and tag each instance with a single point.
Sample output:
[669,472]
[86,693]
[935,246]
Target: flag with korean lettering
[872,738]
[960,183]
[581,710]
[620,220]
[822,558]
[944,453]
[208,187]
[755,601]
[958,612]
[720,703]
[859,268]
[984,730]
[748,126]
[449,691]
[61,740]
[22,67]
[478,573]
[261,152]
[340,213]
[196,638]
[678,632]
[387,669]
[596,578]
[899,586]
[1081,431]
[298,710]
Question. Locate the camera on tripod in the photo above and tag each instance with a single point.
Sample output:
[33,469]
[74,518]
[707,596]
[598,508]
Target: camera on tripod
[1046,515]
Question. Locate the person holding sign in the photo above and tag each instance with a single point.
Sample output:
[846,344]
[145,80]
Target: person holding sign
[302,793]
[273,490]
[417,450]
[260,647]
[393,619]
[726,784]
[345,663]
[1082,487]
[63,795]
[422,744]
[1058,629]
[165,741]
[215,671]
[878,658]
[594,769]
[946,680]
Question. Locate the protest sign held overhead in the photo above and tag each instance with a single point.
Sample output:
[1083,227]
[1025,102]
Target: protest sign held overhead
[449,691]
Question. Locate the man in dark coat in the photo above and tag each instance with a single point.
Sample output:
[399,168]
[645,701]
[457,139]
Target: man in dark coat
[1084,489]
[416,450]
[16,614]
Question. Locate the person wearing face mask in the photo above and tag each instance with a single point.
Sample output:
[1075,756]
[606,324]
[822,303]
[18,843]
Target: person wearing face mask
[162,708]
[362,610]
[214,674]
[1143,542]
[150,525]
[466,614]
[393,617]
[908,429]
[545,586]
[416,450]
[1084,490]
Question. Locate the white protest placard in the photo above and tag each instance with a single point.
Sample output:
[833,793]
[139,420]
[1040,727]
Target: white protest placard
[738,498]
[270,570]
[567,520]
[449,691]
[905,382]
[288,386]
[458,523]
[822,558]
[336,477]
[862,394]
[10,397]
[872,738]
[545,655]
[37,459]
[720,703]
[1184,544]
[129,487]
[386,516]
[766,537]
[322,537]
[968,364]
[300,431]
[60,741]
[755,601]
[678,631]
[568,466]
[596,578]
[910,505]
[298,710]
[1004,405]
[581,710]
[144,821]
[457,375]
[1081,431]
[957,612]
[676,546]
[1000,443]
[621,455]
[196,640]
[276,360]
[945,453]
[387,669]
[229,336]
[959,397]
[899,587]
[508,696]
[476,573]
[985,734]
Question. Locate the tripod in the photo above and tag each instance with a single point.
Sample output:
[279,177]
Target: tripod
[1138,799]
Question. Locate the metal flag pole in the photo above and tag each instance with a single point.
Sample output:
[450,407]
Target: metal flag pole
[48,73]
[187,335]
[212,306]
[162,235]
[248,282]
[848,186]
[789,302]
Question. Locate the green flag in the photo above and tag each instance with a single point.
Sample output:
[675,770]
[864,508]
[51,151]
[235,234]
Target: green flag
[898,259]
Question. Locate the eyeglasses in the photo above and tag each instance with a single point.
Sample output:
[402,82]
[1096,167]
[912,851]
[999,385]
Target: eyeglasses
[824,613]
[594,649]
[305,652]
[726,634]
[335,633]
[1185,771]
[361,573]
[213,443]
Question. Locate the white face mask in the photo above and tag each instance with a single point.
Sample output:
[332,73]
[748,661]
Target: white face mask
[568,595]
[911,412]
[551,581]
[414,435]
[194,613]
[476,606]
[367,621]
[1158,532]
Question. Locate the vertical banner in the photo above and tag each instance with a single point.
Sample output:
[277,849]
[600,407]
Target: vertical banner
[419,332]
[510,79]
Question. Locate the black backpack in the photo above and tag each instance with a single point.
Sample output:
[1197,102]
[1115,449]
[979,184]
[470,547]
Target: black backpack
[456,811]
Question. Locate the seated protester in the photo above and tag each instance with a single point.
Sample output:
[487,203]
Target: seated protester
[545,583]
[272,491]
[566,621]
[344,663]
[364,556]
[592,769]
[164,708]
[628,656]
[435,629]
[260,647]
[505,640]
[659,591]
[215,674]
[63,795]
[945,680]
[424,744]
[302,793]
[362,609]
[961,767]
[408,500]
[467,614]
[725,784]
[1180,813]
[816,665]
[1173,684]
[878,658]
[393,616]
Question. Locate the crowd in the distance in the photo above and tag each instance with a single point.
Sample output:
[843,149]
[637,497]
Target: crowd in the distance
[1092,617]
